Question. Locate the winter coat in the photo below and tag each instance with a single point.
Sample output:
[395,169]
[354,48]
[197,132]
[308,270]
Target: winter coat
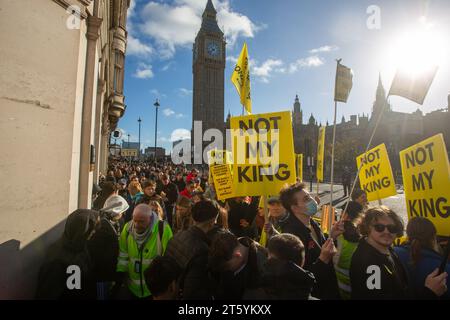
[326,283]
[283,280]
[104,249]
[245,211]
[231,286]
[393,283]
[70,250]
[189,249]
[430,260]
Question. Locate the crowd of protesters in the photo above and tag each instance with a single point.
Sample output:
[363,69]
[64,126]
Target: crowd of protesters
[157,231]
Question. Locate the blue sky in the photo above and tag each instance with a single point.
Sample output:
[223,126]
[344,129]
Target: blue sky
[292,45]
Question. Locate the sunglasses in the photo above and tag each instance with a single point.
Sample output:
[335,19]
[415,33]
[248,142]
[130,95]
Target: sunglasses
[381,227]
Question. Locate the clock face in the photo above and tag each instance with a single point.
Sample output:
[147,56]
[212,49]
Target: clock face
[213,49]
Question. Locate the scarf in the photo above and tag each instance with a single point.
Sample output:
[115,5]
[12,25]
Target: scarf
[142,238]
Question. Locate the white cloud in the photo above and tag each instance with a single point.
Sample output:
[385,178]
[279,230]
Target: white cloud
[311,61]
[163,139]
[180,134]
[324,49]
[156,93]
[185,92]
[144,71]
[131,11]
[167,66]
[168,112]
[265,70]
[235,24]
[176,25]
[232,59]
[137,48]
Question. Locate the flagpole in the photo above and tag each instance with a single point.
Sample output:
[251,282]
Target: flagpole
[332,158]
[367,149]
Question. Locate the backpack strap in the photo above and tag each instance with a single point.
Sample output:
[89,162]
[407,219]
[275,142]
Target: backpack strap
[161,225]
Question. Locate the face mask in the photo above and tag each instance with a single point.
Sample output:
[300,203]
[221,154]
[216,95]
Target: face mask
[311,208]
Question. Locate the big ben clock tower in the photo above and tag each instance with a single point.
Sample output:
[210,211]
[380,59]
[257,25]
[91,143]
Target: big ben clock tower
[208,68]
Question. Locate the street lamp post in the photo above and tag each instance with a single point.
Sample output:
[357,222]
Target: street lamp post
[129,147]
[156,104]
[139,152]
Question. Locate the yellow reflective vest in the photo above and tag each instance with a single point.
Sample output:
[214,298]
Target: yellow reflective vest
[134,260]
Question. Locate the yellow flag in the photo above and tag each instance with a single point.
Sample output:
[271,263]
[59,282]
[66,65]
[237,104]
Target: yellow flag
[241,79]
[320,154]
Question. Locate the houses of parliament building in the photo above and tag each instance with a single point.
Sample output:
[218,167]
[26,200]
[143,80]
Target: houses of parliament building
[397,130]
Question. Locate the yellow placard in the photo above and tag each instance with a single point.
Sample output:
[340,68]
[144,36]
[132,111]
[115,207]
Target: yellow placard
[320,154]
[263,156]
[223,182]
[376,176]
[129,152]
[300,167]
[426,181]
[219,157]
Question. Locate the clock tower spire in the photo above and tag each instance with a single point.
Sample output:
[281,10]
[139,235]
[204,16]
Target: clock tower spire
[208,68]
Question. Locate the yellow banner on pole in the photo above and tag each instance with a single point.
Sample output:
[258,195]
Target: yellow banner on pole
[223,182]
[300,167]
[320,154]
[376,176]
[241,79]
[426,181]
[263,156]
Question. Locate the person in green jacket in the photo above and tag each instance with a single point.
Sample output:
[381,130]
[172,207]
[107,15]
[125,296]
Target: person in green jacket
[141,240]
[346,246]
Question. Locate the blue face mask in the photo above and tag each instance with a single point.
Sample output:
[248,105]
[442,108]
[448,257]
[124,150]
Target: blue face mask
[311,208]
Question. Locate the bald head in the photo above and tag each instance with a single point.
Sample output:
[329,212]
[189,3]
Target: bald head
[142,215]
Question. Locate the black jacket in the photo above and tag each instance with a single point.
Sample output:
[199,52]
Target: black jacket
[283,280]
[70,250]
[393,277]
[189,249]
[181,185]
[326,287]
[232,286]
[239,211]
[171,191]
[104,250]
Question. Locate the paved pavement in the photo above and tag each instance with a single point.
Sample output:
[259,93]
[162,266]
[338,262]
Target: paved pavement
[396,203]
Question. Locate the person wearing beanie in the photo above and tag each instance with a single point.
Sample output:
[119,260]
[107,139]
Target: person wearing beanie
[104,245]
[189,249]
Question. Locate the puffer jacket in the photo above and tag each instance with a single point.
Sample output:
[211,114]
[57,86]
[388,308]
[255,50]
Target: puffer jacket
[189,249]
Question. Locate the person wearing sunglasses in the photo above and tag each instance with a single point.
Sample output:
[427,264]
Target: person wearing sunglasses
[376,272]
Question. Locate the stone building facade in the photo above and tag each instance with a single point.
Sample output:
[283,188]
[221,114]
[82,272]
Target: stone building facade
[61,94]
[397,130]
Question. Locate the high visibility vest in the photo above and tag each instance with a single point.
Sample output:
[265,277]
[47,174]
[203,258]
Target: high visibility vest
[342,267]
[134,260]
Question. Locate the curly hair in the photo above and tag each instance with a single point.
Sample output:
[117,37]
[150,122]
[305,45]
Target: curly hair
[373,214]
